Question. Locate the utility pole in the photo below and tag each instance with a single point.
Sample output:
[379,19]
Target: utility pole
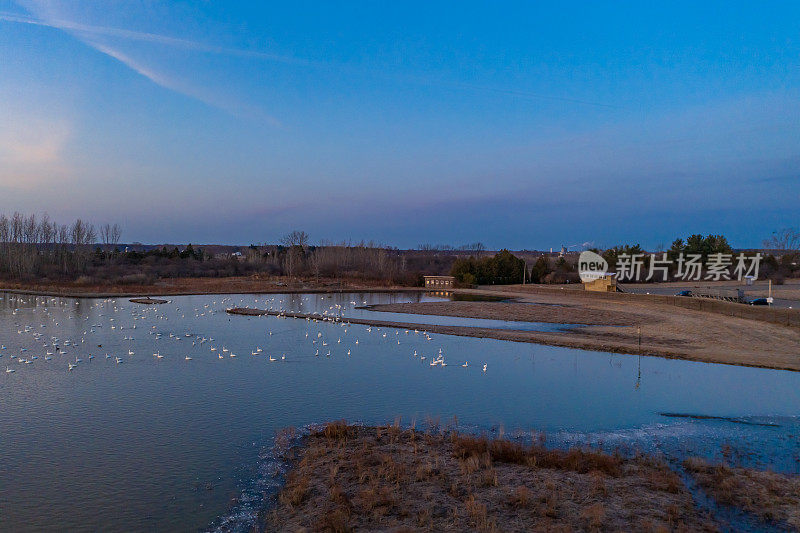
[639,332]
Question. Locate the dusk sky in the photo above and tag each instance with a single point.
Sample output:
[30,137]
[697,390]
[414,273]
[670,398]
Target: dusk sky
[522,125]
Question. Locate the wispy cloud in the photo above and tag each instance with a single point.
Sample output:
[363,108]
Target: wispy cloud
[97,37]
[92,30]
[181,87]
[92,34]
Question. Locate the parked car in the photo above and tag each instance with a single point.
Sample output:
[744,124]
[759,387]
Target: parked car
[759,301]
[684,293]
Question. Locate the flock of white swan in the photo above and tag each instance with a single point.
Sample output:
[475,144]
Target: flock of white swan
[323,339]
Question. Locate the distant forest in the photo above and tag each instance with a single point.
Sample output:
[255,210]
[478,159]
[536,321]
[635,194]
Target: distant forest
[38,248]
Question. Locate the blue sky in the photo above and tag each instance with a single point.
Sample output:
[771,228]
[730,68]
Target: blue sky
[522,125]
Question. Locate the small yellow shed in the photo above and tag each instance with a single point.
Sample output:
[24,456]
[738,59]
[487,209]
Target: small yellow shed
[605,282]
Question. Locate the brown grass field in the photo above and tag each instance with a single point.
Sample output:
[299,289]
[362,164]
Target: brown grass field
[349,478]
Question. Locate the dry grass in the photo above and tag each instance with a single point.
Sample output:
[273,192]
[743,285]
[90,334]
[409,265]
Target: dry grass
[771,496]
[338,430]
[666,330]
[348,478]
[504,451]
[564,313]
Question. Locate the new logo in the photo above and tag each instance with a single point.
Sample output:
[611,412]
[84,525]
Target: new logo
[591,266]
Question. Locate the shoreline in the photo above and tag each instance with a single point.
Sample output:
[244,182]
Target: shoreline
[77,292]
[518,293]
[634,326]
[562,340]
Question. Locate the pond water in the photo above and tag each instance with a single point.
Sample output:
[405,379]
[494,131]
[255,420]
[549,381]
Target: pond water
[170,443]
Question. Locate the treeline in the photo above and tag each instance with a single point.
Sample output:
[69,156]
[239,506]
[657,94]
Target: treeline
[780,258]
[294,257]
[38,246]
[780,261]
[505,268]
[502,269]
[695,244]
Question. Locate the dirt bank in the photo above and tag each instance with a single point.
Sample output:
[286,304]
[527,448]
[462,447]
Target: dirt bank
[713,339]
[187,286]
[347,478]
[148,301]
[666,330]
[564,312]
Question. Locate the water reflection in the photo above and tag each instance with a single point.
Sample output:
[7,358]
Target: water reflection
[134,445]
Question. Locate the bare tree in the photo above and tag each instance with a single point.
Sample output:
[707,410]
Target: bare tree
[91,235]
[45,234]
[30,229]
[105,235]
[785,239]
[109,236]
[474,247]
[295,238]
[294,259]
[5,243]
[77,232]
[63,241]
[116,235]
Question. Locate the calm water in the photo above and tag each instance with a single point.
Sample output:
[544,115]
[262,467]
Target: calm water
[136,445]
